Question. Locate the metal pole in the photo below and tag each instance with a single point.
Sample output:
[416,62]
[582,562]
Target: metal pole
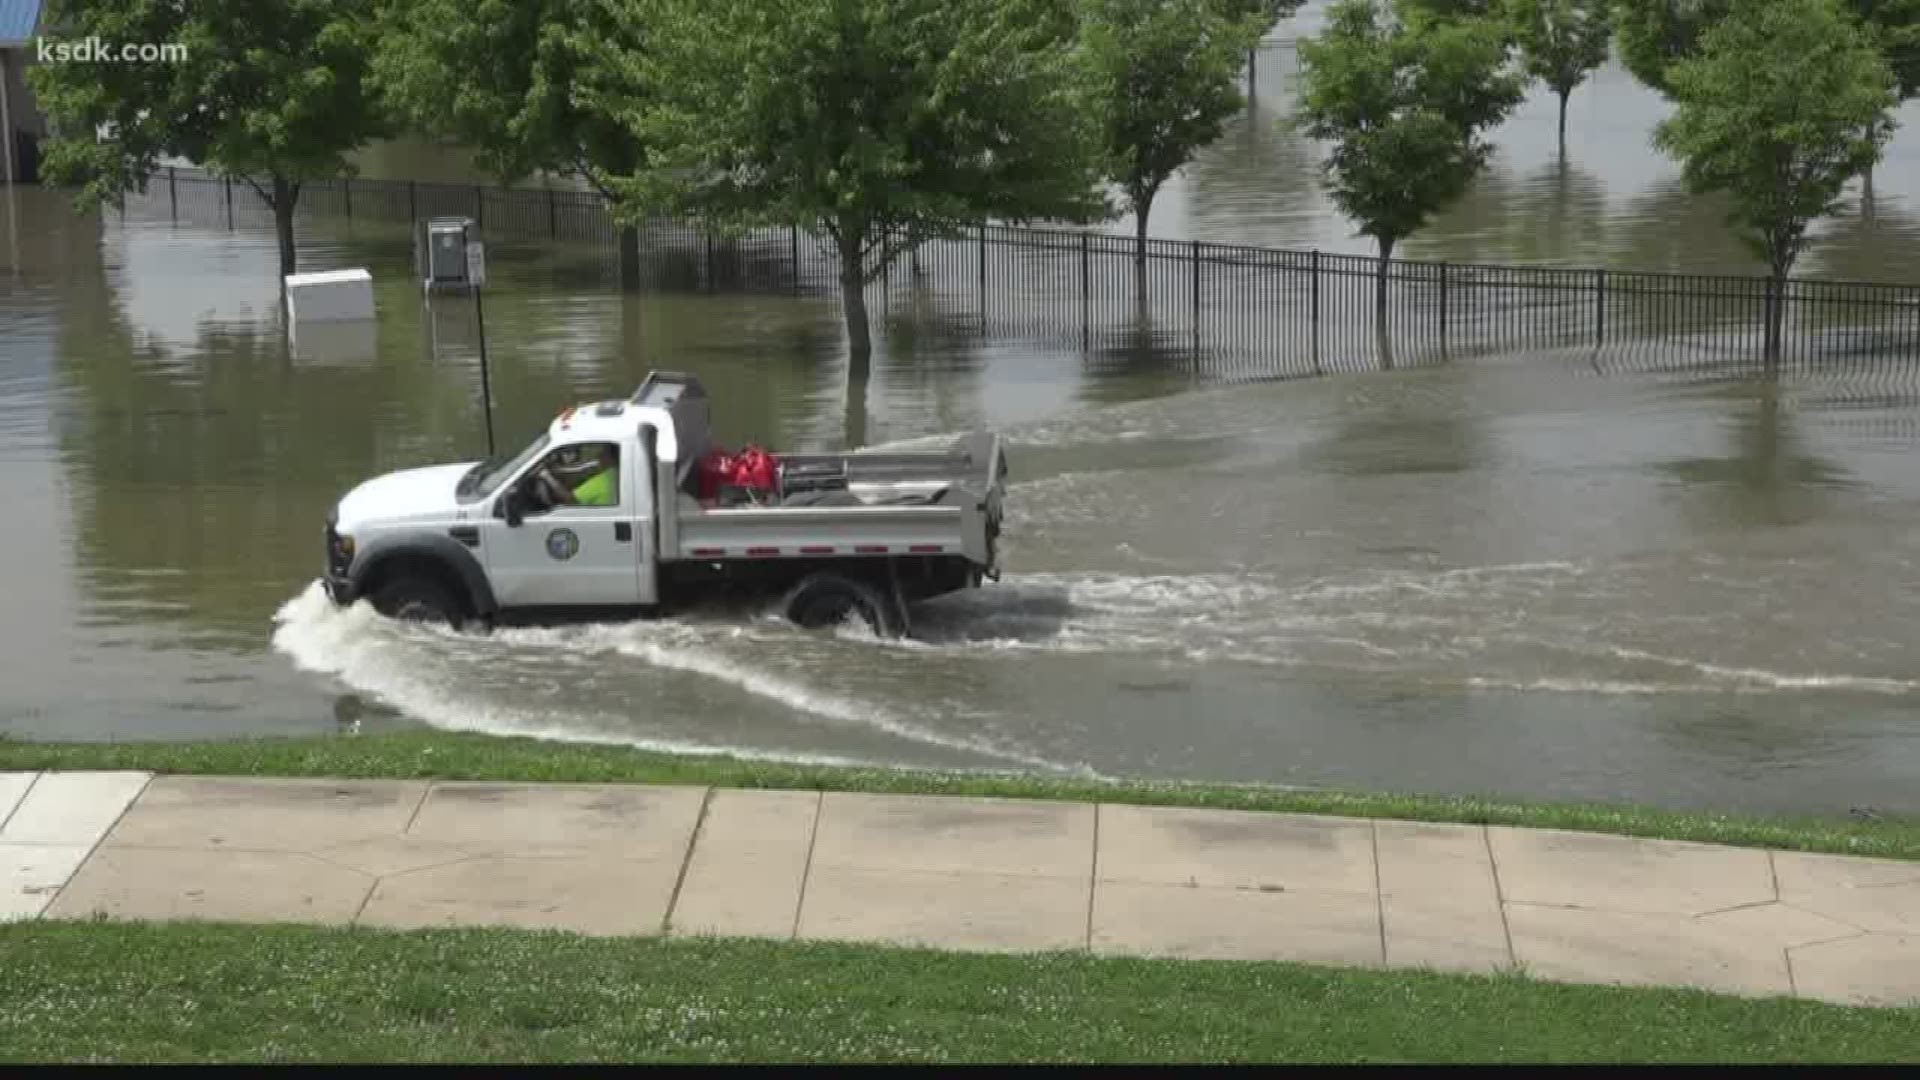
[173,194]
[553,215]
[228,184]
[1443,309]
[6,136]
[486,381]
[793,253]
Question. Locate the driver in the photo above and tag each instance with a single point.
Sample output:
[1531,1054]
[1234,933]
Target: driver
[598,489]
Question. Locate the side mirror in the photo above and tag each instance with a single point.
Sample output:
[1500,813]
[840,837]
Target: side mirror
[512,508]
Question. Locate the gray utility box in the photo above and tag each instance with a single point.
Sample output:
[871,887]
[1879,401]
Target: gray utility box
[442,246]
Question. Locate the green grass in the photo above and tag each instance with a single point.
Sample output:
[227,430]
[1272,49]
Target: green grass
[210,992]
[456,756]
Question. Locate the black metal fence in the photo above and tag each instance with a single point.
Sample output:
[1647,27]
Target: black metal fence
[1222,311]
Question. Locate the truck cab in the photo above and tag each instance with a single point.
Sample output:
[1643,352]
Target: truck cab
[607,514]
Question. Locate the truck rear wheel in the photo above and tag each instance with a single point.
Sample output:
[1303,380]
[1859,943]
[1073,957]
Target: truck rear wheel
[418,599]
[825,600]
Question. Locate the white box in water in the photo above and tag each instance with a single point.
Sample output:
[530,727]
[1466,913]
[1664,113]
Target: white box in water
[330,296]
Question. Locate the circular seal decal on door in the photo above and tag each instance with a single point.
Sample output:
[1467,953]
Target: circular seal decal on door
[562,544]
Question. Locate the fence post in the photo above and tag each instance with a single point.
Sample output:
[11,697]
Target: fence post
[413,203]
[228,182]
[1443,309]
[708,233]
[346,195]
[553,214]
[793,253]
[479,207]
[1600,310]
[173,194]
[983,275]
[1314,292]
[1195,250]
[1086,301]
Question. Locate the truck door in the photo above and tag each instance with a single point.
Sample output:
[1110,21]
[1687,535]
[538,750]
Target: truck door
[587,553]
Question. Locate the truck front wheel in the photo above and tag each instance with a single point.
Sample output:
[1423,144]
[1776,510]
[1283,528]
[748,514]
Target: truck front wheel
[825,600]
[417,599]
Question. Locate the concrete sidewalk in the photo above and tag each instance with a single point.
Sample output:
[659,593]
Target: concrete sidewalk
[969,874]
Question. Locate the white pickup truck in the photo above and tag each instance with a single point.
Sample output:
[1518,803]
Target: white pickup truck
[860,534]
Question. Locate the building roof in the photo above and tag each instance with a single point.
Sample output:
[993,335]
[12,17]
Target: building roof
[19,19]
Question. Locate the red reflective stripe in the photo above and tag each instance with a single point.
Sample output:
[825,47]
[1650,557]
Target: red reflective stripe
[816,551]
[763,551]
[870,549]
[709,551]
[924,548]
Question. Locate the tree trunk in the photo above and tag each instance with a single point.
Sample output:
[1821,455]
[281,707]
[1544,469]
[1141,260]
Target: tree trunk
[1142,210]
[629,241]
[853,295]
[284,195]
[859,375]
[1563,122]
[1866,178]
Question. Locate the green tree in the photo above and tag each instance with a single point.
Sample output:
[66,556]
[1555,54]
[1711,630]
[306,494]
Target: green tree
[499,76]
[1464,71]
[1655,34]
[1562,42]
[1388,98]
[271,92]
[877,123]
[1786,102]
[1165,72]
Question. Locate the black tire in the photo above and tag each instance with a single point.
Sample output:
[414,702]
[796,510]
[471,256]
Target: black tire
[826,600]
[409,598]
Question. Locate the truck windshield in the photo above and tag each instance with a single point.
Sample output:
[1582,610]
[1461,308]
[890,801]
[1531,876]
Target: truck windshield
[483,479]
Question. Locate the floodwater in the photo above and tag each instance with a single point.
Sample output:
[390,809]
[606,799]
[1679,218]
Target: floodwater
[1508,575]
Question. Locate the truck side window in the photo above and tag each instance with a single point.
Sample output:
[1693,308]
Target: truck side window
[585,474]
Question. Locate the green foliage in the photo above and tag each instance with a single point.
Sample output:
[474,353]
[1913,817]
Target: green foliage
[862,118]
[499,76]
[1405,104]
[275,87]
[1463,70]
[1654,34]
[1403,107]
[1895,28]
[1166,72]
[1786,102]
[1561,41]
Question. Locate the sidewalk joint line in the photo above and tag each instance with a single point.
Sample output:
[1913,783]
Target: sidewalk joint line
[1499,896]
[1379,894]
[93,848]
[686,861]
[425,794]
[806,872]
[1739,907]
[1093,875]
[1773,875]
[24,796]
